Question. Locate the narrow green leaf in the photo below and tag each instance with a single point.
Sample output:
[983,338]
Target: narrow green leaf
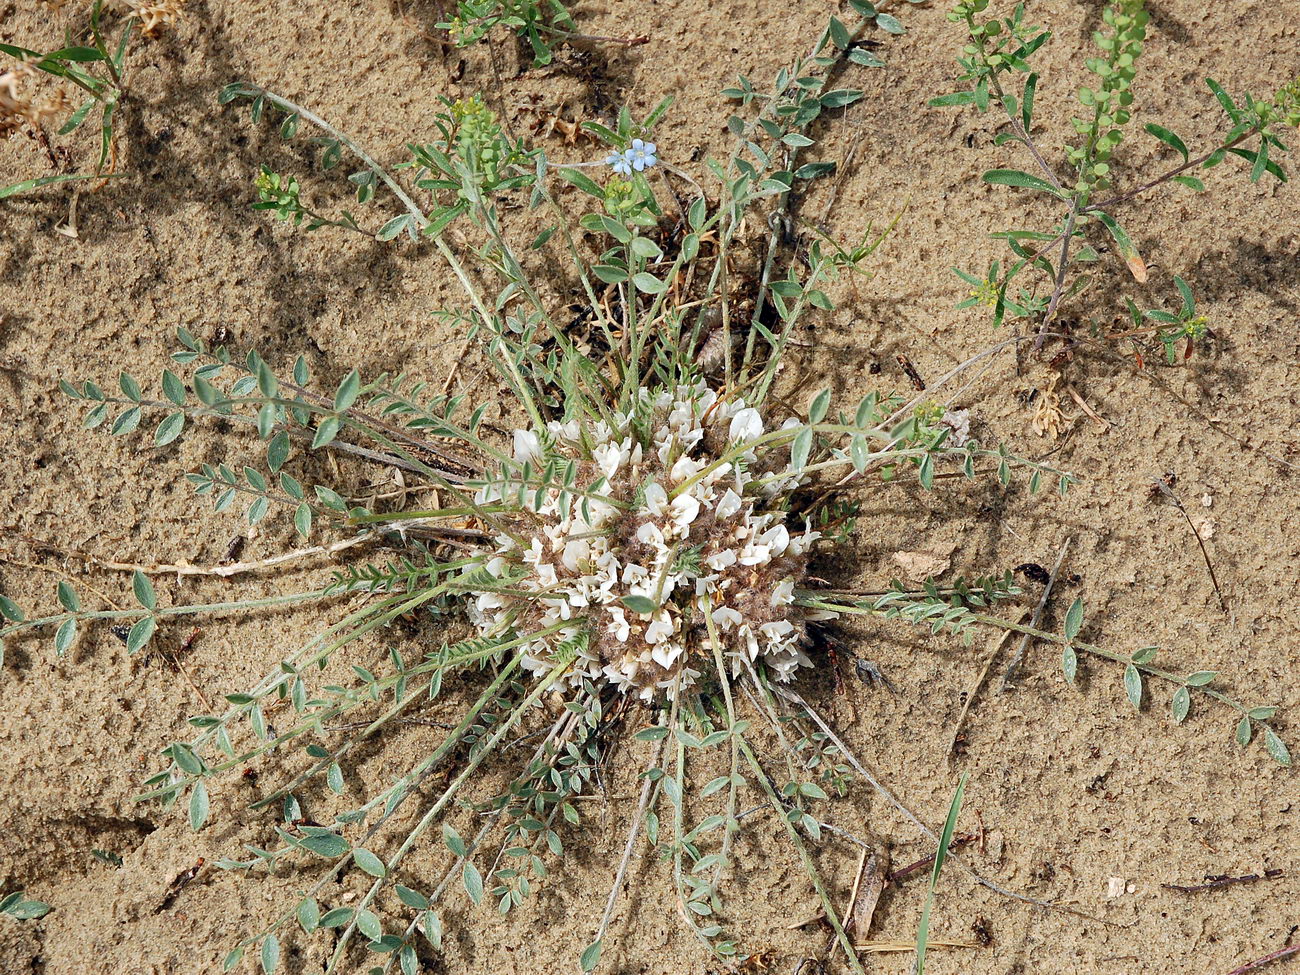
[940,856]
[1133,685]
[649,283]
[1276,747]
[1225,100]
[199,806]
[453,840]
[76,118]
[1137,267]
[473,882]
[169,429]
[1014,177]
[63,637]
[820,404]
[1168,138]
[348,391]
[1074,619]
[75,54]
[326,432]
[393,227]
[581,180]
[640,604]
[412,898]
[956,98]
[1070,663]
[32,184]
[1261,161]
[309,914]
[140,634]
[801,448]
[302,519]
[270,954]
[68,598]
[1027,102]
[368,862]
[1182,703]
[590,957]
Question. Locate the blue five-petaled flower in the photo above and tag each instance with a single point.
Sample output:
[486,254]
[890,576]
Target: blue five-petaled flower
[640,156]
[620,163]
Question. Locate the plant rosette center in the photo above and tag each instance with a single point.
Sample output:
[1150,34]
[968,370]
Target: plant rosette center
[637,541]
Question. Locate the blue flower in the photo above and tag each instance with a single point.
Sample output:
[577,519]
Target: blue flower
[621,163]
[641,155]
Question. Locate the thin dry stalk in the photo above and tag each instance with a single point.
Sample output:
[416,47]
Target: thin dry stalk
[979,682]
[1014,665]
[1168,492]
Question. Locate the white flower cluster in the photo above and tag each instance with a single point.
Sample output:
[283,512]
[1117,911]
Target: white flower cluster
[682,532]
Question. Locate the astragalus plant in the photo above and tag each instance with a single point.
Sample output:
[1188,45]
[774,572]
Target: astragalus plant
[627,552]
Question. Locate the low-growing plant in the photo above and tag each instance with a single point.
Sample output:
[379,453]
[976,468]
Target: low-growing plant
[541,24]
[629,549]
[538,22]
[96,67]
[996,57]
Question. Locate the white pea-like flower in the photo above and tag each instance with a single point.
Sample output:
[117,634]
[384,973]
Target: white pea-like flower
[746,425]
[685,509]
[698,538]
[528,447]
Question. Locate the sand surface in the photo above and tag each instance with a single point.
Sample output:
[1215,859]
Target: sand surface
[1070,786]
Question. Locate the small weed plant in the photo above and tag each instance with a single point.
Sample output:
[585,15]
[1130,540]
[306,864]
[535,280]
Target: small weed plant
[1043,271]
[91,70]
[628,553]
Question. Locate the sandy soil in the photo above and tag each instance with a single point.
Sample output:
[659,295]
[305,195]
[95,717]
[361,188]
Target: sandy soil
[1071,786]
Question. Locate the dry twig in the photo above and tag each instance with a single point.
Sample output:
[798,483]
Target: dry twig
[1010,672]
[1268,959]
